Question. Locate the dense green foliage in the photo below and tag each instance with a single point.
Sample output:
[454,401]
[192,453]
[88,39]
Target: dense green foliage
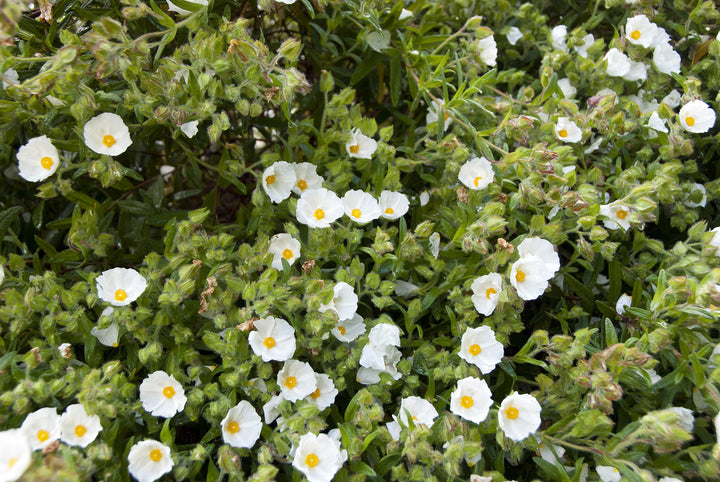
[272,82]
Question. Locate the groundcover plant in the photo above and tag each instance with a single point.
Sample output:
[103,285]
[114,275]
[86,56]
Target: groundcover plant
[359,240]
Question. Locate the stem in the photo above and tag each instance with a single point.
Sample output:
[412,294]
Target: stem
[574,446]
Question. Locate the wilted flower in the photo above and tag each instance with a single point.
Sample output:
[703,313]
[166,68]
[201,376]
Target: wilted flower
[477,173]
[15,455]
[278,181]
[41,427]
[190,128]
[618,64]
[149,460]
[519,416]
[120,286]
[666,60]
[479,347]
[361,206]
[241,426]
[306,177]
[567,131]
[348,330]
[162,395]
[325,393]
[618,214]
[486,293]
[319,457]
[77,427]
[513,35]
[318,208]
[296,380]
[360,145]
[697,117]
[106,133]
[272,339]
[393,205]
[344,302]
[471,399]
[38,159]
[639,30]
[283,246]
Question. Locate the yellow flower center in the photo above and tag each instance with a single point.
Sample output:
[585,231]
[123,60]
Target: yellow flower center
[311,460]
[80,430]
[354,149]
[316,393]
[46,162]
[446,116]
[120,295]
[270,179]
[269,342]
[342,330]
[356,213]
[115,344]
[562,133]
[42,435]
[319,214]
[155,455]
[466,402]
[690,121]
[475,349]
[520,276]
[169,392]
[287,254]
[635,34]
[477,181]
[12,462]
[302,185]
[290,382]
[621,214]
[233,427]
[109,140]
[389,211]
[512,413]
[489,292]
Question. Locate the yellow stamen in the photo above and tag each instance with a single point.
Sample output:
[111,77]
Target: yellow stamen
[233,427]
[302,185]
[621,214]
[354,149]
[120,295]
[690,121]
[562,133]
[489,292]
[169,392]
[80,430]
[109,140]
[316,393]
[512,413]
[42,435]
[155,455]
[12,462]
[466,402]
[290,382]
[635,34]
[475,349]
[269,342]
[389,211]
[270,179]
[46,162]
[477,181]
[520,276]
[319,214]
[311,460]
[342,330]
[287,254]
[356,213]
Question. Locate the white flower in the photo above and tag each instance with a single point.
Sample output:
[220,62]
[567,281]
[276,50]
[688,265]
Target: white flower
[306,177]
[588,40]
[319,457]
[380,354]
[696,187]
[270,409]
[393,205]
[420,410]
[107,336]
[120,286]
[360,145]
[378,40]
[435,111]
[471,399]
[325,393]
[639,30]
[166,172]
[716,422]
[618,64]
[278,181]
[715,240]
[12,78]
[349,330]
[666,60]
[15,455]
[425,196]
[38,159]
[513,35]
[41,427]
[637,71]
[283,246]
[608,473]
[487,48]
[618,214]
[65,350]
[2,274]
[567,88]
[190,128]
[318,208]
[672,100]
[434,241]
[654,377]
[106,133]
[162,395]
[384,334]
[519,416]
[361,206]
[530,275]
[77,427]
[296,380]
[657,123]
[287,2]
[241,426]
[405,289]
[669,479]
[567,131]
[272,339]
[344,302]
[479,347]
[542,248]
[486,293]
[174,8]
[696,116]
[686,419]
[558,37]
[551,453]
[404,13]
[477,173]
[623,302]
[149,460]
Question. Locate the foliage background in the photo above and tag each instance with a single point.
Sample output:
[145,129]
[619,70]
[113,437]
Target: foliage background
[271,82]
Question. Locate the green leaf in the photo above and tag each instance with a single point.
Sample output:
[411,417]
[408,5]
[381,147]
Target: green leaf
[387,463]
[395,79]
[165,436]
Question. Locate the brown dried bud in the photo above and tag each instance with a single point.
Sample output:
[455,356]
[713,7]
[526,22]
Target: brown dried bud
[462,195]
[503,245]
[308,265]
[247,325]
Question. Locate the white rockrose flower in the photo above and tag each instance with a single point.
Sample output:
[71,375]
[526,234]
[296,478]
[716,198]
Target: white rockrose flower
[306,177]
[38,159]
[542,248]
[623,302]
[471,399]
[344,302]
[296,380]
[608,473]
[551,453]
[361,206]
[106,133]
[480,347]
[696,116]
[558,35]
[325,393]
[567,131]
[666,60]
[318,457]
[12,78]
[637,71]
[149,460]
[393,205]
[107,336]
[15,455]
[41,427]
[519,416]
[639,30]
[241,426]
[477,173]
[657,123]
[360,146]
[318,208]
[530,275]
[120,286]
[618,64]
[174,8]
[162,395]
[588,40]
[435,111]
[190,128]
[272,339]
[77,427]
[672,100]
[283,246]
[487,49]
[617,214]
[420,410]
[349,330]
[278,181]
[486,293]
[513,35]
[696,187]
[567,88]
